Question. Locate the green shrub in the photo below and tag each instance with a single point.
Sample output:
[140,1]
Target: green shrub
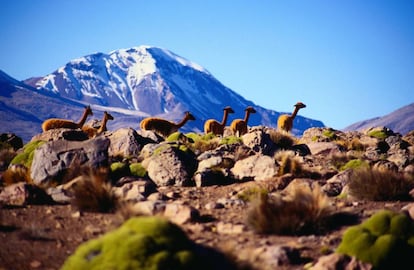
[137,170]
[231,140]
[379,134]
[329,133]
[140,243]
[385,240]
[379,185]
[118,170]
[354,164]
[252,193]
[176,136]
[26,156]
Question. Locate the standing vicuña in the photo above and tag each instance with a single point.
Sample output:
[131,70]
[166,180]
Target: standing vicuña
[53,123]
[239,126]
[285,121]
[214,126]
[162,126]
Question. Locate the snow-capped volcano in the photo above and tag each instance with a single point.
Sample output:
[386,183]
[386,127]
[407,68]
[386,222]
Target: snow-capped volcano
[153,81]
[140,78]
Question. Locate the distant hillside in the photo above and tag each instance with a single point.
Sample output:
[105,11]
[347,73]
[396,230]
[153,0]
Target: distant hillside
[401,121]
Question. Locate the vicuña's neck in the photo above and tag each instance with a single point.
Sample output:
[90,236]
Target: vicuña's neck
[295,112]
[225,116]
[102,128]
[83,119]
[182,122]
[246,116]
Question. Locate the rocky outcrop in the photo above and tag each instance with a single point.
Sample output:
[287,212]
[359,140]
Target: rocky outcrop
[171,166]
[53,160]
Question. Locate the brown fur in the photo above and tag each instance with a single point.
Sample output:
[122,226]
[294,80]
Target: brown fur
[214,126]
[93,132]
[239,126]
[162,126]
[54,123]
[285,121]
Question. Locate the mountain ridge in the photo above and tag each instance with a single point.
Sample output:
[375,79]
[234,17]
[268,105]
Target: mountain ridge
[400,120]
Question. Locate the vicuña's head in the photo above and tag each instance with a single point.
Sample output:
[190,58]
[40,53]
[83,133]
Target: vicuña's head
[189,116]
[88,110]
[300,105]
[108,116]
[228,109]
[250,109]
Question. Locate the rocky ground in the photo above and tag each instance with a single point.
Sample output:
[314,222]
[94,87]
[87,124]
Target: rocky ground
[42,235]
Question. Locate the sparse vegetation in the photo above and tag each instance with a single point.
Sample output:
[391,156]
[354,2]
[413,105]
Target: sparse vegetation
[6,156]
[379,185]
[93,192]
[289,163]
[304,211]
[231,140]
[16,173]
[282,139]
[329,134]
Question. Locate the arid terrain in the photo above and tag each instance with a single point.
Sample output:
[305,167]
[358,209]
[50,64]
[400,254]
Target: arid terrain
[43,236]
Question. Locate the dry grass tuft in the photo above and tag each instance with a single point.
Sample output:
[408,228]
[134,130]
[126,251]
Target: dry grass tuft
[282,139]
[289,163]
[379,185]
[16,173]
[93,192]
[303,211]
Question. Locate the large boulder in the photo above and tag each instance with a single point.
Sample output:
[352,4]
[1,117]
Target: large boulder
[171,166]
[257,167]
[53,160]
[126,142]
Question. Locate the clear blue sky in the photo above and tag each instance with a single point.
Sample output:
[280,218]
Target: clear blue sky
[348,60]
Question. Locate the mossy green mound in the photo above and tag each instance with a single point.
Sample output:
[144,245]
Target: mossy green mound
[26,156]
[137,170]
[385,240]
[140,243]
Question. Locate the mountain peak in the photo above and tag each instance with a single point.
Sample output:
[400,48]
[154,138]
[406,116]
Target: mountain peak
[151,81]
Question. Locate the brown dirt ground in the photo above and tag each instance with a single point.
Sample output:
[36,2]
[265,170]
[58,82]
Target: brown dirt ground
[43,236]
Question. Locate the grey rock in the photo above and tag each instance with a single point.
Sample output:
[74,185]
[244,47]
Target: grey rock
[171,167]
[61,134]
[340,261]
[52,160]
[335,184]
[323,148]
[21,194]
[126,142]
[259,141]
[180,214]
[257,167]
[149,208]
[276,256]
